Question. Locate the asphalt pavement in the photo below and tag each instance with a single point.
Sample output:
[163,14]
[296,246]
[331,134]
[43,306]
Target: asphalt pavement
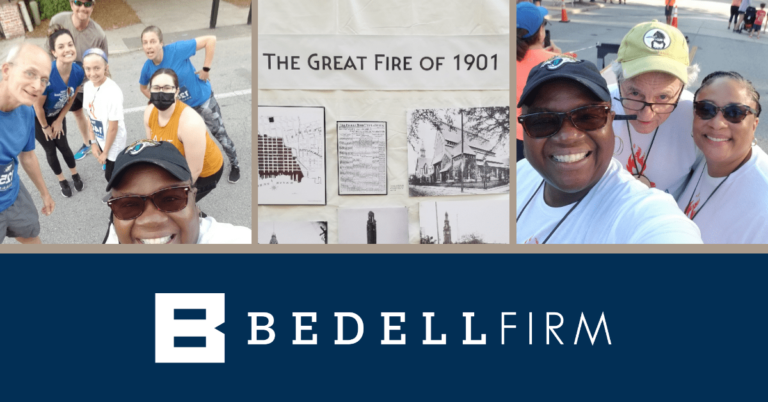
[83,218]
[704,22]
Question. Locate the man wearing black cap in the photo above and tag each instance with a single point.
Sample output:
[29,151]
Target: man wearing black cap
[153,201]
[569,188]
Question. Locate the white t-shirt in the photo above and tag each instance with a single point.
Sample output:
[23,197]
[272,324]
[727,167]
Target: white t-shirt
[673,153]
[211,232]
[105,104]
[737,213]
[618,210]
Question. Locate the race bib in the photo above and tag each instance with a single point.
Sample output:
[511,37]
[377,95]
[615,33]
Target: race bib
[98,129]
[6,175]
[184,95]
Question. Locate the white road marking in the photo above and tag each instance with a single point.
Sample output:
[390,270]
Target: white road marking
[218,96]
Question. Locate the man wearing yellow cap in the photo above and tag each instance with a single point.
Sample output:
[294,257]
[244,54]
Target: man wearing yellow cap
[652,71]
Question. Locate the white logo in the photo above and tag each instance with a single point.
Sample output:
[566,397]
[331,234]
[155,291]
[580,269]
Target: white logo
[139,145]
[186,328]
[558,62]
[657,39]
[8,168]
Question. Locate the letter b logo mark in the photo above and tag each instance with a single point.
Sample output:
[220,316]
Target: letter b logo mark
[186,328]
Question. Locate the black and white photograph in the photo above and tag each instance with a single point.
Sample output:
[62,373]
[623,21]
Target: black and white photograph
[362,153]
[458,151]
[292,155]
[373,225]
[293,232]
[464,222]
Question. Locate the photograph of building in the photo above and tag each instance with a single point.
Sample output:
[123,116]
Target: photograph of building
[464,222]
[293,232]
[373,225]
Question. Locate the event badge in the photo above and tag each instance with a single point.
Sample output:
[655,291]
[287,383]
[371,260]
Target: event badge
[98,129]
[6,175]
[184,95]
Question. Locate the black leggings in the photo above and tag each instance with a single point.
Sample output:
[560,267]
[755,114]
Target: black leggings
[59,143]
[734,15]
[206,184]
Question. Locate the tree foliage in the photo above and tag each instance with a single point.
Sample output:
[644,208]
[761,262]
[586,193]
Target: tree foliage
[49,8]
[488,123]
[472,238]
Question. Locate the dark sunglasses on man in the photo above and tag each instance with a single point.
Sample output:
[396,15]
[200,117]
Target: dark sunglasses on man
[129,207]
[733,112]
[87,4]
[587,118]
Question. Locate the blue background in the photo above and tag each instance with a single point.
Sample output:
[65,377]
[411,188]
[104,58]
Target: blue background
[683,327]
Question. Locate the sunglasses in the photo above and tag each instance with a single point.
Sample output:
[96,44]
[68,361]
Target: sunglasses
[129,207]
[734,113]
[87,4]
[542,125]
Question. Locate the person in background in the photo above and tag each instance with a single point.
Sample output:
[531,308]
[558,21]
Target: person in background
[669,6]
[652,70]
[153,201]
[734,13]
[25,75]
[742,13]
[728,194]
[760,17]
[195,89]
[87,34]
[52,107]
[530,52]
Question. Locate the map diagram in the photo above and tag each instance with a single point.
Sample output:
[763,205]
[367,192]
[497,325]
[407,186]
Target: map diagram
[291,153]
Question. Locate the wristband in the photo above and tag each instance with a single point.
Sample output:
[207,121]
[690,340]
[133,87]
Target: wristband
[206,69]
[46,127]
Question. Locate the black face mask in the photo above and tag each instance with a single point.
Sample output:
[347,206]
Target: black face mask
[162,100]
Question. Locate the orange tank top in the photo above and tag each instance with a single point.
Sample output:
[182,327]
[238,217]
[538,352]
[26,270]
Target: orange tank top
[213,159]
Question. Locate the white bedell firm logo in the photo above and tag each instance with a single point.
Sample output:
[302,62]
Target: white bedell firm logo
[186,327]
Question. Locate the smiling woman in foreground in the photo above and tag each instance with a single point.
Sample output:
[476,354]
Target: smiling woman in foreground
[569,189]
[727,196]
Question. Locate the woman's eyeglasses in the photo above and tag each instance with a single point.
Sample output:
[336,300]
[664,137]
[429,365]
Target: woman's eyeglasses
[733,112]
[167,88]
[129,207]
[542,125]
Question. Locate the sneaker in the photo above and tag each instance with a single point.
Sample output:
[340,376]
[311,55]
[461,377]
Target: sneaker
[78,182]
[106,197]
[84,150]
[234,174]
[66,191]
[104,167]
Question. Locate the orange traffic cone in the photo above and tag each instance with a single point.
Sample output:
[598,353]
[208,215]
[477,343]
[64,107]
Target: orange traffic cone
[564,15]
[674,17]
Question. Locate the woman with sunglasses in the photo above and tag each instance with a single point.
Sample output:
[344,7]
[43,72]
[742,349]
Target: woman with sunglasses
[52,107]
[569,188]
[169,119]
[727,196]
[153,201]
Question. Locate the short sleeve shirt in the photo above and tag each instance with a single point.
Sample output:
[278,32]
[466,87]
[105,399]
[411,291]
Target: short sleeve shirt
[58,93]
[105,104]
[17,135]
[193,91]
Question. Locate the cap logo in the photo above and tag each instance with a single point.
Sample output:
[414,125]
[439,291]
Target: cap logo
[139,146]
[554,64]
[657,39]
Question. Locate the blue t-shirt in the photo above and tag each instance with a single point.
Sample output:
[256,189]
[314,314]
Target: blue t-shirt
[193,91]
[58,93]
[17,135]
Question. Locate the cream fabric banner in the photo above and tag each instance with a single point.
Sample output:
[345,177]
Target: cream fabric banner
[384,62]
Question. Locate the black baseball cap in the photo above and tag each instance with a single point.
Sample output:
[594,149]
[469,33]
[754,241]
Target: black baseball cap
[159,153]
[582,71]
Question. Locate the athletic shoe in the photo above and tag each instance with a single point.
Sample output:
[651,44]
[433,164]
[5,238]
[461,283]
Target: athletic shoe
[84,150]
[78,182]
[106,197]
[104,167]
[66,191]
[234,174]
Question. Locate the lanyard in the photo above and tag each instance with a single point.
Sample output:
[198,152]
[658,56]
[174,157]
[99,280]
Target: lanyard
[558,223]
[640,172]
[694,213]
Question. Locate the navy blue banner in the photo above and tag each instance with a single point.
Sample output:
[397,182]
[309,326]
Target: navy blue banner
[681,327]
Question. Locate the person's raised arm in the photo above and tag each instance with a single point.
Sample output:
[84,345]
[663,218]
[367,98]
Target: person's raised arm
[209,43]
[192,133]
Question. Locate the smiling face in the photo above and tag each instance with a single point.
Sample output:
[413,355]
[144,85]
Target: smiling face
[653,87]
[571,161]
[81,13]
[64,49]
[152,46]
[25,75]
[95,69]
[724,144]
[154,226]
